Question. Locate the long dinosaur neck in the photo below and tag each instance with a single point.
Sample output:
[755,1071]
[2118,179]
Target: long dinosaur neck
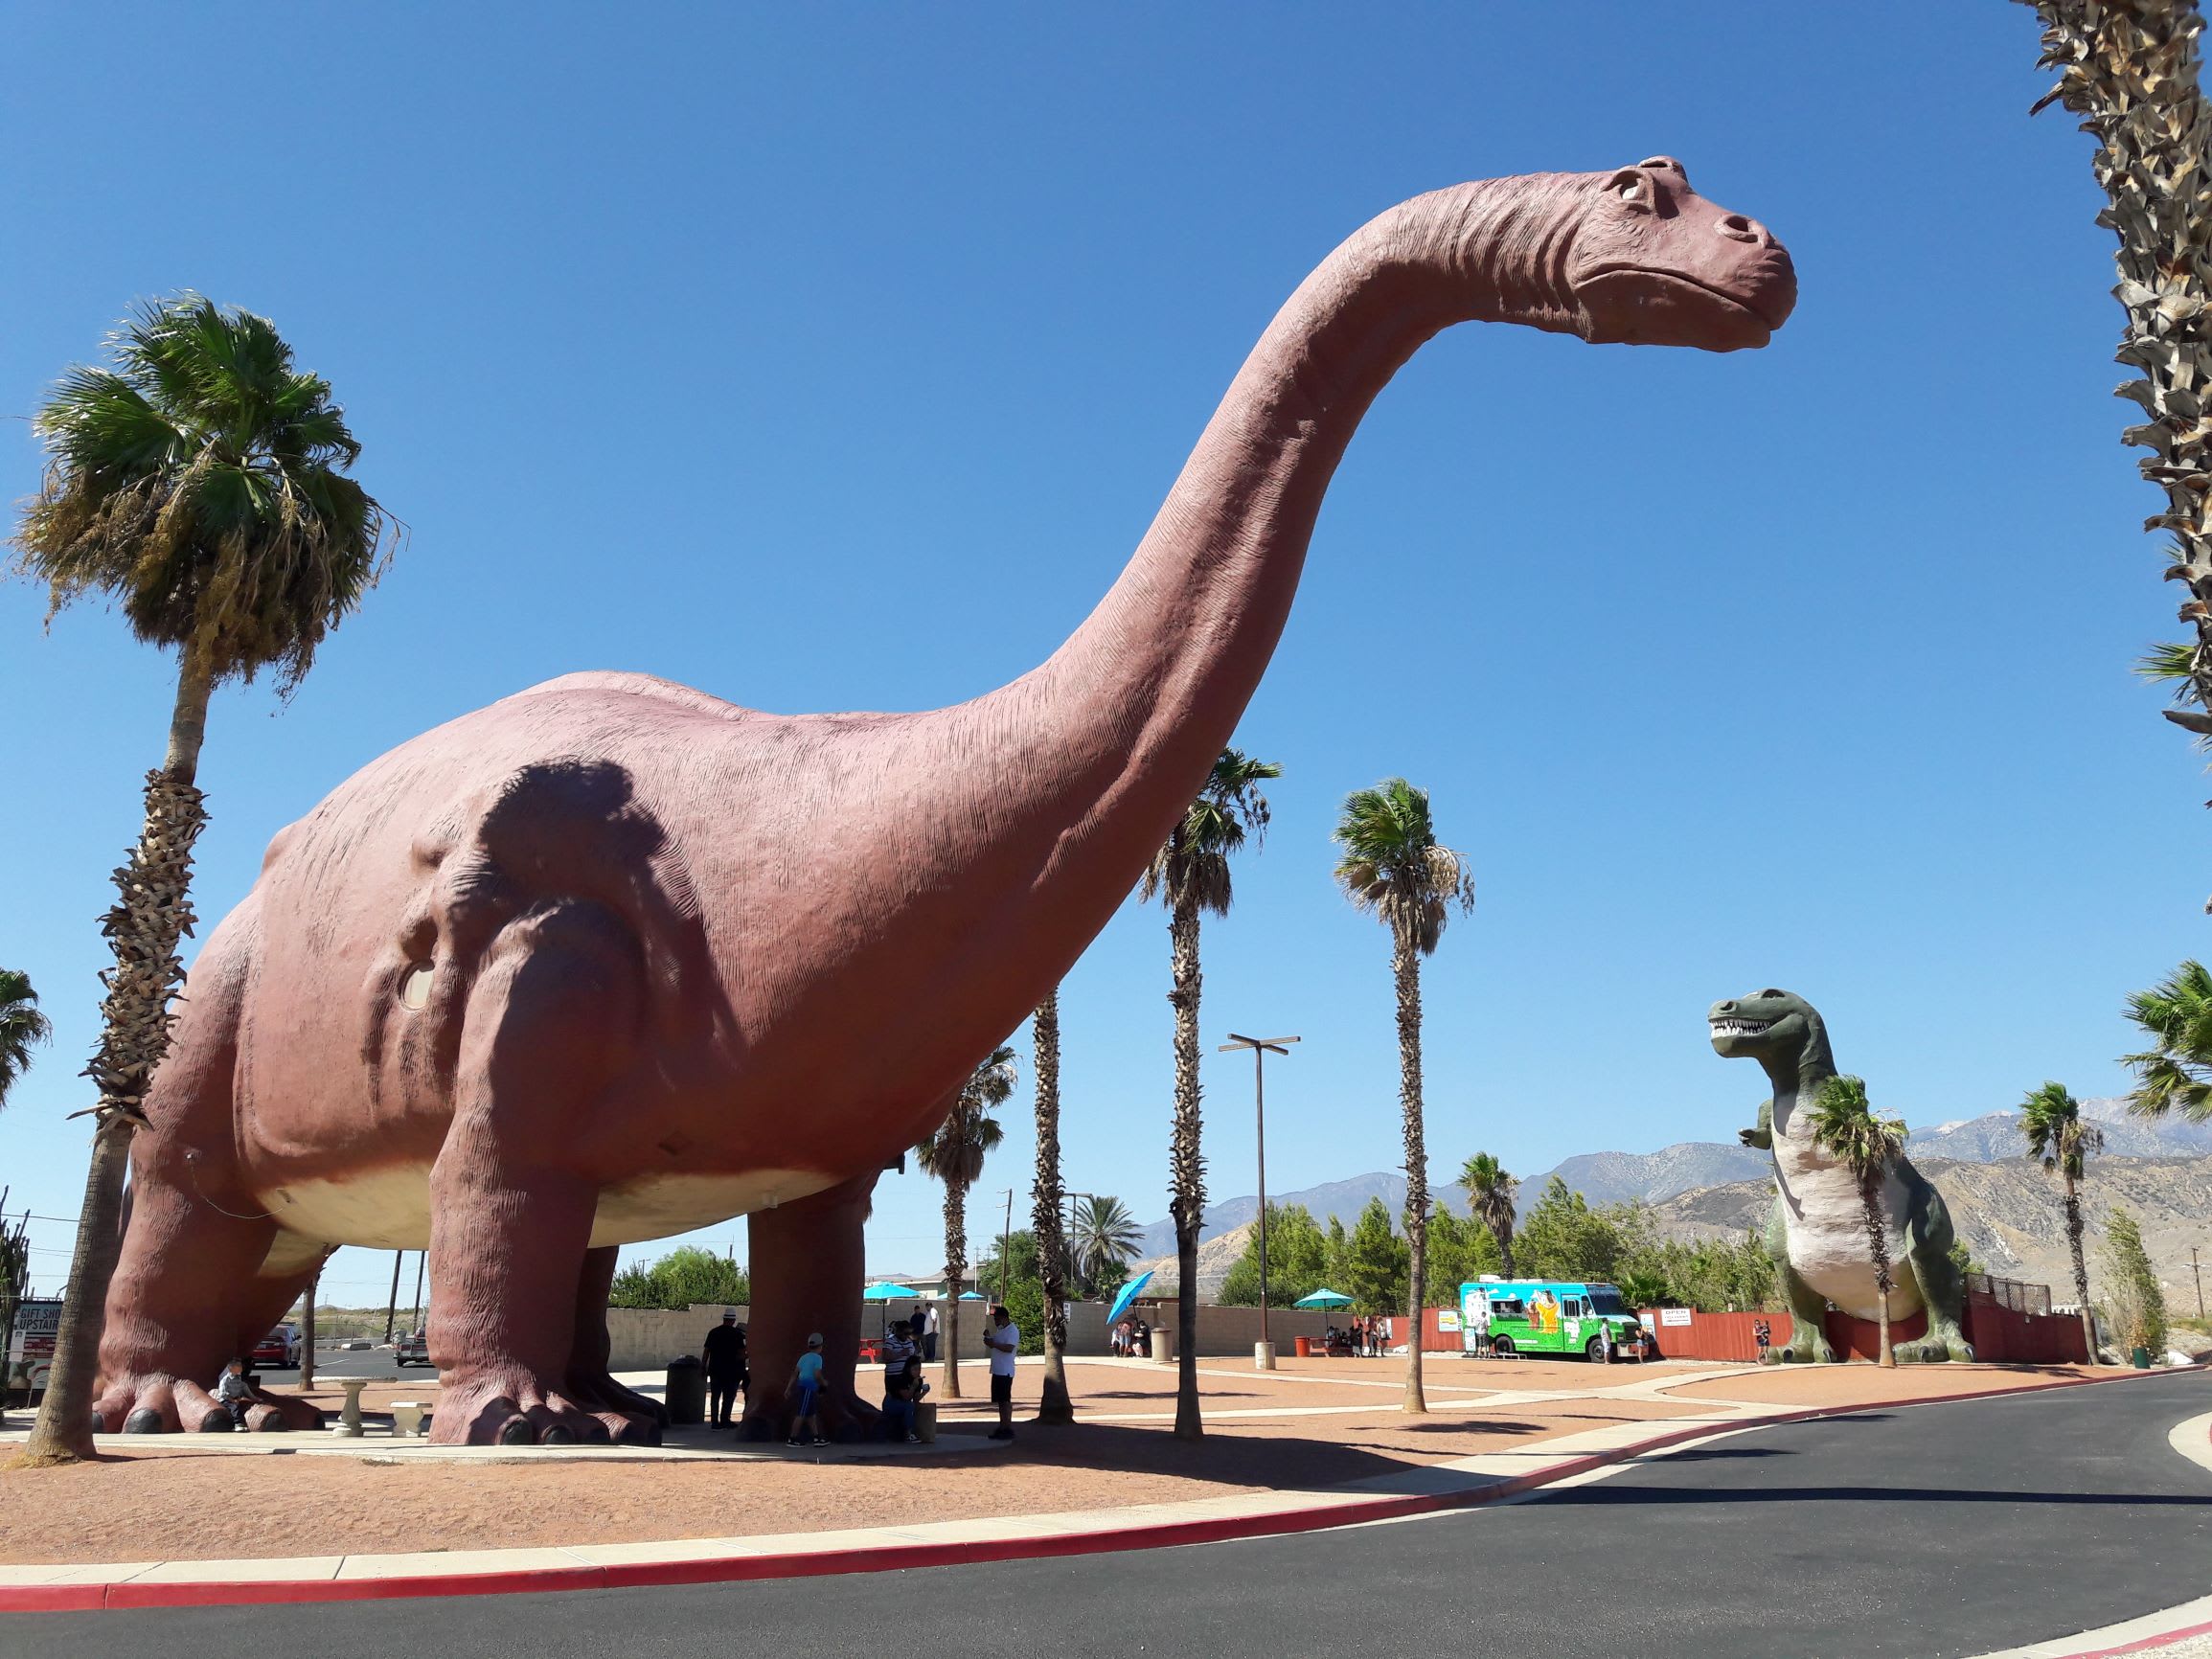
[1123,722]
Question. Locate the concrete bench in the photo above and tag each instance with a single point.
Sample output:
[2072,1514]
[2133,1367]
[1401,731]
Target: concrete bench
[408,1418]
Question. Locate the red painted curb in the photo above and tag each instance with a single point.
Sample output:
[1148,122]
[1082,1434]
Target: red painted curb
[2164,1639]
[893,1557]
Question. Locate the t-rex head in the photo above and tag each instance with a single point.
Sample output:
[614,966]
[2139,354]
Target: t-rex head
[1655,264]
[1768,1026]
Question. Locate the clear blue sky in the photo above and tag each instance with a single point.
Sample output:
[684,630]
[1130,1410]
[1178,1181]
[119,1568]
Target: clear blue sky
[835,358]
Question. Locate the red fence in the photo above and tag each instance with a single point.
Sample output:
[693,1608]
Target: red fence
[2001,1335]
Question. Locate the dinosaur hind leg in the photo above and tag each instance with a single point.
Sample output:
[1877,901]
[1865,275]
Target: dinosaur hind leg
[631,1418]
[190,1285]
[1942,1284]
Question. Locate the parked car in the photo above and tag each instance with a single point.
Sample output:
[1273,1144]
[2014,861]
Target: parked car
[280,1348]
[414,1349]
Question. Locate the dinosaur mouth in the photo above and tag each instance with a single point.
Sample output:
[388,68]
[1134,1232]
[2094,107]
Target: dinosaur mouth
[1740,1027]
[1748,319]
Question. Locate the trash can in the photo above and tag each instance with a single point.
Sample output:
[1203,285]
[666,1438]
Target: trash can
[1163,1344]
[686,1393]
[1304,1345]
[2142,1359]
[926,1422]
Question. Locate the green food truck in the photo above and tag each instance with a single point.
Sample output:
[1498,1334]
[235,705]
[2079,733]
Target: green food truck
[1545,1316]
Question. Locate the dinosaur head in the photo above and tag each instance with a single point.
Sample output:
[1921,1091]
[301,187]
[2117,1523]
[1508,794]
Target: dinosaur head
[1655,264]
[1770,1025]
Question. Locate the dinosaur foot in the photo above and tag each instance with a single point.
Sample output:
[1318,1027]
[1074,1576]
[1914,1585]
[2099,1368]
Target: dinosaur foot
[1816,1353]
[504,1405]
[631,1418]
[153,1403]
[1934,1349]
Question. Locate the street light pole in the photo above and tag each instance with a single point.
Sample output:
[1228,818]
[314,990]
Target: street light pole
[1264,1356]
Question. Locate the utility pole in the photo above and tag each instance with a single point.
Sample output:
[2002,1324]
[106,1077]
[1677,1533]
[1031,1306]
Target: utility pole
[392,1306]
[421,1258]
[1005,1245]
[2199,1274]
[1068,1235]
[1262,1355]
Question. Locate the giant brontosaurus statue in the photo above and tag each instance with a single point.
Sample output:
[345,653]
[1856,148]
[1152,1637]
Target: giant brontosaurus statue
[611,959]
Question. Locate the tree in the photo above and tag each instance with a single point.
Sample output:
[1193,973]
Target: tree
[1377,1264]
[22,1028]
[2060,1139]
[954,1155]
[1394,868]
[1844,1127]
[686,1275]
[1297,1264]
[1460,1251]
[2138,1300]
[2131,72]
[1189,874]
[1045,1200]
[199,483]
[1104,1243]
[1017,1263]
[2177,1069]
[1565,1237]
[1490,1194]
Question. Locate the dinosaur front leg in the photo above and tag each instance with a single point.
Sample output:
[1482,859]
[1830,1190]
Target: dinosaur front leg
[808,1270]
[631,1418]
[1942,1284]
[545,1029]
[1807,1343]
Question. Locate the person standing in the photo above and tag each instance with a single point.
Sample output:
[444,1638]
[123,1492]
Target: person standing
[807,1395]
[1002,1339]
[724,1355]
[1482,1325]
[1605,1342]
[926,1330]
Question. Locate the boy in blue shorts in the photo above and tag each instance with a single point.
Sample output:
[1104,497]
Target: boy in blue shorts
[807,1393]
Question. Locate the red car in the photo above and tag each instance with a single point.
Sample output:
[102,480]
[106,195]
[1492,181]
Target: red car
[281,1347]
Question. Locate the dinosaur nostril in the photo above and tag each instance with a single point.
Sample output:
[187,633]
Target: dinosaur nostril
[1738,229]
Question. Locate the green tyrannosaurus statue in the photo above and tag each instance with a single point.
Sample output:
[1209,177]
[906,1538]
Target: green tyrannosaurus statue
[1817,1231]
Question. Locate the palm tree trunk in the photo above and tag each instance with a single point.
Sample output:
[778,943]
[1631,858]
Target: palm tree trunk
[1870,1197]
[144,928]
[1044,1212]
[2081,1269]
[956,1274]
[1186,1164]
[1502,1232]
[1405,967]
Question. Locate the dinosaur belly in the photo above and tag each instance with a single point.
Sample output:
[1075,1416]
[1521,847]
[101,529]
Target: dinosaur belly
[1828,1244]
[389,1208]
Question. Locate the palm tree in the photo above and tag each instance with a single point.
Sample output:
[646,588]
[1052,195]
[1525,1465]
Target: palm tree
[1106,1235]
[1394,868]
[197,483]
[1190,874]
[2177,1069]
[954,1155]
[2060,1138]
[1844,1127]
[1490,1193]
[1055,1405]
[22,1028]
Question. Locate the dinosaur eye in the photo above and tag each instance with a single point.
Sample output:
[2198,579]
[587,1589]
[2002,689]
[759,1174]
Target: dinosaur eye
[1632,187]
[1770,991]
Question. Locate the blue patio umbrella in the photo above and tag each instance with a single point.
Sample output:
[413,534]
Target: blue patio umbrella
[1323,1298]
[972,1296]
[886,1292]
[1127,1295]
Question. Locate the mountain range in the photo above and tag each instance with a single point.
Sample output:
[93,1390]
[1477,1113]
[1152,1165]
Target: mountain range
[2003,1204]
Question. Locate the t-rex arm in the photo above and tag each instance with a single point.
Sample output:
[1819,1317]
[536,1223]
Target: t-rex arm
[1761,1133]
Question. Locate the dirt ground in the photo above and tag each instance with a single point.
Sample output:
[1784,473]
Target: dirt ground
[1324,1422]
[1871,1385]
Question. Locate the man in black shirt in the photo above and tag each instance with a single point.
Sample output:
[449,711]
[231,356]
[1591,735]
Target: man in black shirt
[724,1357]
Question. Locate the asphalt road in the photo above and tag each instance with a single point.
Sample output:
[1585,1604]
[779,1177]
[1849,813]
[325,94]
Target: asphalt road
[341,1362]
[1932,1533]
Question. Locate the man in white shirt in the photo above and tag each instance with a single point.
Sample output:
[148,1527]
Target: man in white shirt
[927,1332]
[1480,1308]
[1002,1339]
